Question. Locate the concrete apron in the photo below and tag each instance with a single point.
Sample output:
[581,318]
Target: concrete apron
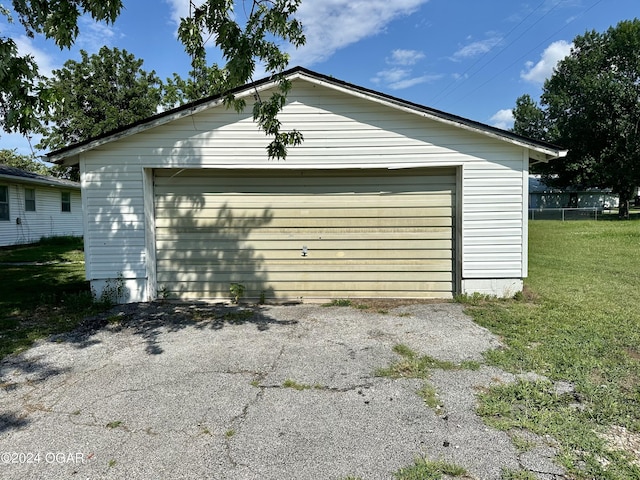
[178,391]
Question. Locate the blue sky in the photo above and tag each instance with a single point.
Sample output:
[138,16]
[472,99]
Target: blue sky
[467,57]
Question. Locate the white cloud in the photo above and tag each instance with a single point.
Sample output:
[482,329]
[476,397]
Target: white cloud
[502,119]
[331,25]
[405,57]
[539,72]
[477,48]
[401,75]
[413,81]
[179,9]
[46,62]
[94,35]
[391,76]
[400,78]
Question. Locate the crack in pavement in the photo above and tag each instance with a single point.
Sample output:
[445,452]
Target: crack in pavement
[217,396]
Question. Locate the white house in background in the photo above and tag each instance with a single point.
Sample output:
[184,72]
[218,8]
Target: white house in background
[33,206]
[384,198]
[543,196]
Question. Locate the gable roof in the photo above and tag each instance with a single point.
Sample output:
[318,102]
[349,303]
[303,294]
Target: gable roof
[539,151]
[22,176]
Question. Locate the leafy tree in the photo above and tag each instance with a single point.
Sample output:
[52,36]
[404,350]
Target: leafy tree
[30,164]
[23,95]
[100,93]
[244,40]
[203,82]
[23,162]
[529,119]
[592,107]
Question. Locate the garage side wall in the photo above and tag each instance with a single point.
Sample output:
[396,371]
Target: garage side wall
[340,131]
[113,202]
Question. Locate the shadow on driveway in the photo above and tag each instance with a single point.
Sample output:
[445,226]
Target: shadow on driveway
[224,392]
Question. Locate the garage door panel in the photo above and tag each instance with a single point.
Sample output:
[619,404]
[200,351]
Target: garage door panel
[280,278]
[320,291]
[313,218]
[295,246]
[184,256]
[319,234]
[365,233]
[165,180]
[191,202]
[317,267]
[337,186]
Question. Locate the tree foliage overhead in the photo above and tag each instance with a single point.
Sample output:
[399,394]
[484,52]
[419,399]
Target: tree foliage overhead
[249,33]
[100,93]
[203,81]
[245,38]
[23,95]
[591,105]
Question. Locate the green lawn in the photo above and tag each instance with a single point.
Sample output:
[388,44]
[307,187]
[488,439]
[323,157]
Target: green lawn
[37,300]
[578,322]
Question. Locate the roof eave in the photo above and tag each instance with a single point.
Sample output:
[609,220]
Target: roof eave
[39,181]
[71,155]
[539,151]
[541,155]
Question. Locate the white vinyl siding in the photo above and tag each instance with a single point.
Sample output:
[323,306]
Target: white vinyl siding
[341,131]
[364,233]
[47,220]
[494,229]
[114,216]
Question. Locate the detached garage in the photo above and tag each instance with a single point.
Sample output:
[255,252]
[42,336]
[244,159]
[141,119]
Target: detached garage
[384,198]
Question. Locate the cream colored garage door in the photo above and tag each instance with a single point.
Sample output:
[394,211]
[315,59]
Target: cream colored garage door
[305,235]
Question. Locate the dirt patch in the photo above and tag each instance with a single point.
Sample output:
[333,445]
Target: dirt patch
[619,438]
[390,303]
[633,354]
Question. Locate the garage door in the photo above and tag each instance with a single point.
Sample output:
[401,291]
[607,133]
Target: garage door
[305,235]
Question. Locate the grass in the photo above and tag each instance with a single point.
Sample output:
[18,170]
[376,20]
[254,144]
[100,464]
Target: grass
[288,383]
[508,474]
[413,366]
[339,302]
[424,469]
[44,299]
[430,397]
[578,321]
[52,249]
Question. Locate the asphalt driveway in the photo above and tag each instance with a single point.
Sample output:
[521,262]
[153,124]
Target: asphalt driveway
[280,392]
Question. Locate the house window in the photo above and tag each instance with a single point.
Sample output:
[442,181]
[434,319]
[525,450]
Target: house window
[4,203]
[66,202]
[30,199]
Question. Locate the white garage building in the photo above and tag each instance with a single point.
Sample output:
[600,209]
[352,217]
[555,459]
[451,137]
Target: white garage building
[384,198]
